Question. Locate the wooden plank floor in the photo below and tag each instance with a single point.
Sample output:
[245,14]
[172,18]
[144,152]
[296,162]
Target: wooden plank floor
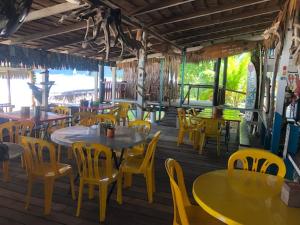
[135,208]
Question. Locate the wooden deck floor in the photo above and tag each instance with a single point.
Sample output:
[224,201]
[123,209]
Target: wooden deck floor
[135,209]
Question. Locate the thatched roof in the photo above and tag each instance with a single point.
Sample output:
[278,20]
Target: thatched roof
[171,25]
[14,73]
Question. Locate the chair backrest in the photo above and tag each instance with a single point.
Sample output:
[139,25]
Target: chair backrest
[179,193]
[38,153]
[141,126]
[123,109]
[77,117]
[61,110]
[105,118]
[23,128]
[94,161]
[148,161]
[257,160]
[8,129]
[89,121]
[181,117]
[212,126]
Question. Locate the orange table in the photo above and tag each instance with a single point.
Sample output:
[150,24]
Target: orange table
[243,197]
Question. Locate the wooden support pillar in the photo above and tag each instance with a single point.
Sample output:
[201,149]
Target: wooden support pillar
[32,80]
[101,82]
[45,94]
[113,88]
[284,62]
[224,80]
[161,86]
[9,91]
[141,77]
[216,85]
[96,75]
[183,60]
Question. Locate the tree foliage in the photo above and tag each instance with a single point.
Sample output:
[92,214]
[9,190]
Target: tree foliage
[203,73]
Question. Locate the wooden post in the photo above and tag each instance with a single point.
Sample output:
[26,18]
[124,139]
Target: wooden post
[216,86]
[9,91]
[161,86]
[113,88]
[141,77]
[45,94]
[284,62]
[183,60]
[224,80]
[32,80]
[101,82]
[96,74]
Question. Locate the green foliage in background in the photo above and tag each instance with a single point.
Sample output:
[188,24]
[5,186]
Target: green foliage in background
[203,73]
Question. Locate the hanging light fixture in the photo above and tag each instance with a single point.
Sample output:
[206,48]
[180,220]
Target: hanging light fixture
[12,15]
[77,2]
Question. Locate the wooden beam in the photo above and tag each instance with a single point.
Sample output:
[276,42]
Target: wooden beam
[52,10]
[223,27]
[147,8]
[225,19]
[46,34]
[208,12]
[230,36]
[64,43]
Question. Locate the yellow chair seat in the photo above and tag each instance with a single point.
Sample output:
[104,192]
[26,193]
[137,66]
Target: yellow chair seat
[196,215]
[136,151]
[46,170]
[103,176]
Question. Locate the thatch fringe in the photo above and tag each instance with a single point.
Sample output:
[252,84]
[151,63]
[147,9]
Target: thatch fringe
[14,73]
[221,50]
[275,35]
[152,80]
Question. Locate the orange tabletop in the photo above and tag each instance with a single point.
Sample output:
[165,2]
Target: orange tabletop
[243,197]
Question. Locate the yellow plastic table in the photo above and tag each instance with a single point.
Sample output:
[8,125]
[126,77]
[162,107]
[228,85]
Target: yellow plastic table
[243,197]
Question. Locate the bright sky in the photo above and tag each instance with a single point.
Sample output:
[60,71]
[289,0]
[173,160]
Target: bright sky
[65,80]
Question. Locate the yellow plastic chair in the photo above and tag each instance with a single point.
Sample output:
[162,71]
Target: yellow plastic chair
[122,113]
[213,129]
[77,117]
[144,165]
[95,167]
[256,160]
[60,123]
[184,126]
[105,118]
[61,110]
[47,169]
[184,212]
[143,127]
[24,128]
[7,130]
[88,121]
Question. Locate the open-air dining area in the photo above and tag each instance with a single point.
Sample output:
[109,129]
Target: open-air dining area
[149,112]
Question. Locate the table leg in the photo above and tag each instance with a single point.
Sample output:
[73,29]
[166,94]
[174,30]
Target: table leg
[118,164]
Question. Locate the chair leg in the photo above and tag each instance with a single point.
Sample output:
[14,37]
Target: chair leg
[70,154]
[22,162]
[91,191]
[218,146]
[59,153]
[119,189]
[29,190]
[127,180]
[201,143]
[149,185]
[5,165]
[102,200]
[180,137]
[49,183]
[79,197]
[71,177]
